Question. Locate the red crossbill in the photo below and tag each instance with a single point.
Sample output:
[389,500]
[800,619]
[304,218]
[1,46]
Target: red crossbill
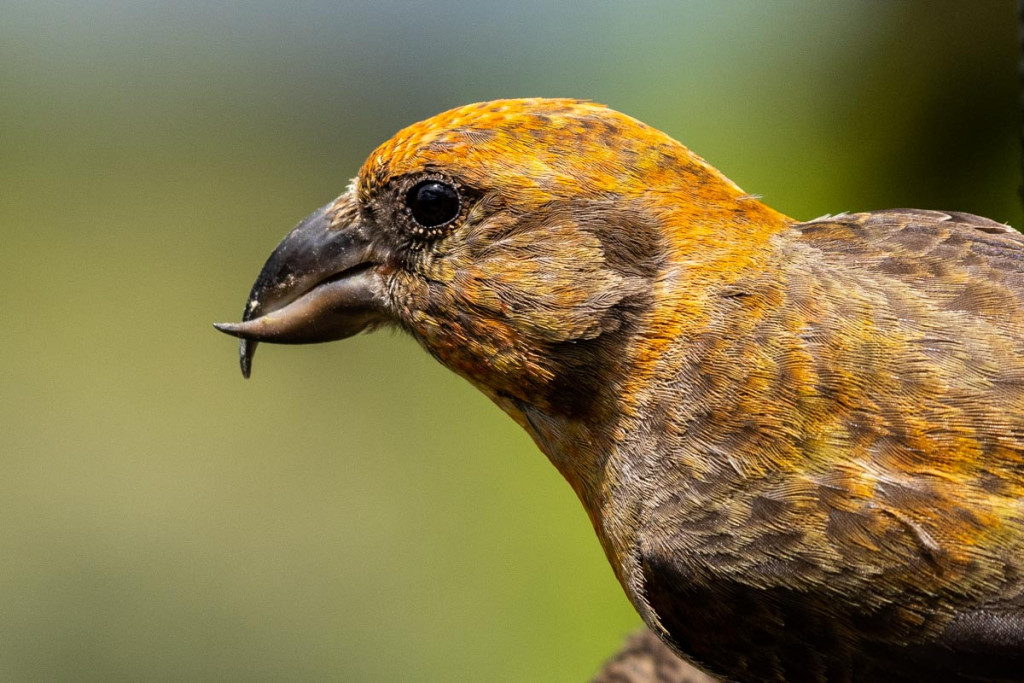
[801,444]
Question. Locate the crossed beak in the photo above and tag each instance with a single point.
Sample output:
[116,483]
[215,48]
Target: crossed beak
[320,284]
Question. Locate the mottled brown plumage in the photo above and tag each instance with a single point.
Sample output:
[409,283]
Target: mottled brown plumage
[800,444]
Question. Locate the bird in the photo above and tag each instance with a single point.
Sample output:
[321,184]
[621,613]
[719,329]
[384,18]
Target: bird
[800,443]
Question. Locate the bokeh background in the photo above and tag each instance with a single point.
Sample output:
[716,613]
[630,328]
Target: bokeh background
[355,512]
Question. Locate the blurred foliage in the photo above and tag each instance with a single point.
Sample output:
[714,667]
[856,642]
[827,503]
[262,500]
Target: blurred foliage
[355,512]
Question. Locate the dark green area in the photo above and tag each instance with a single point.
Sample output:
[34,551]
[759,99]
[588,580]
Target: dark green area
[355,512]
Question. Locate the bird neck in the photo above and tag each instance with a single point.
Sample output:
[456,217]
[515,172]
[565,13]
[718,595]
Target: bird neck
[705,256]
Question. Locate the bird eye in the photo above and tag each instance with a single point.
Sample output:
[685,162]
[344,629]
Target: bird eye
[433,203]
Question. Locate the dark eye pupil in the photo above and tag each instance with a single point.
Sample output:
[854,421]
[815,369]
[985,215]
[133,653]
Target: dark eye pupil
[433,203]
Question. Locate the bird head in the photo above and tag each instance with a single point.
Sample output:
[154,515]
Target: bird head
[524,243]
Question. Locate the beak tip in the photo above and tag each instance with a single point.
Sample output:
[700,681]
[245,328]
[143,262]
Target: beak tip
[246,347]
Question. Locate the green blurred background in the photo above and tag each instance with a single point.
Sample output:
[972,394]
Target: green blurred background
[355,512]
